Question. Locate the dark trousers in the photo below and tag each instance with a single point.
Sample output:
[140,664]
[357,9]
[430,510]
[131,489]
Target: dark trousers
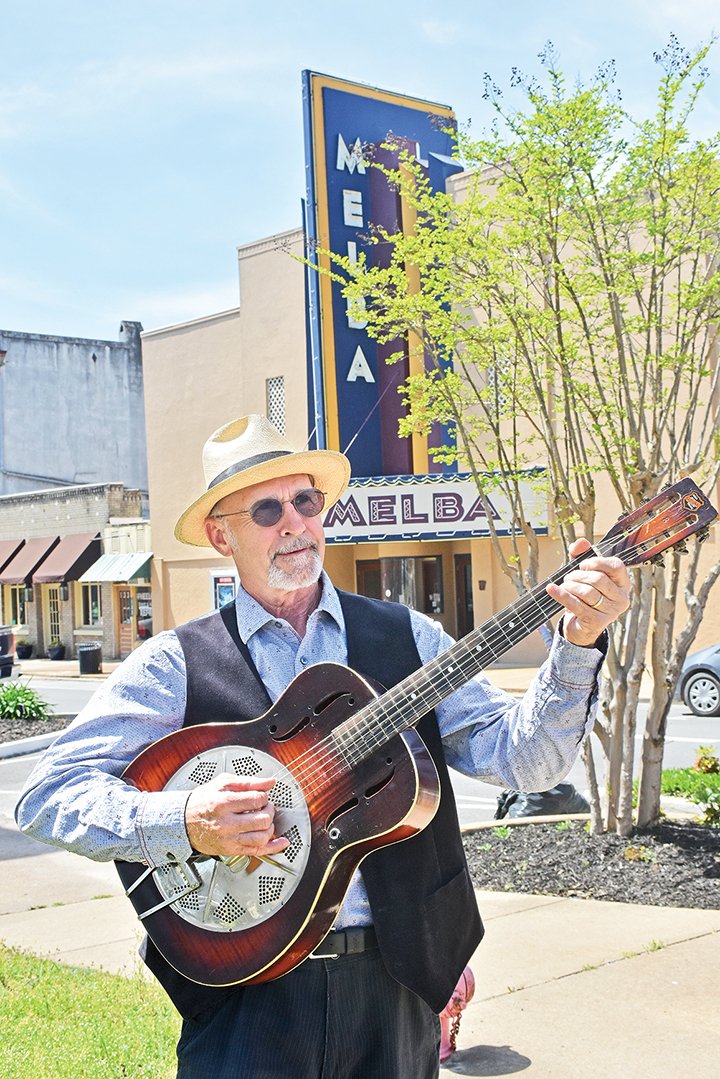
[340,1018]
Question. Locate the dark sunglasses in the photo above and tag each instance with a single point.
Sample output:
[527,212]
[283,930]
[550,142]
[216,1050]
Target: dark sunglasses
[268,511]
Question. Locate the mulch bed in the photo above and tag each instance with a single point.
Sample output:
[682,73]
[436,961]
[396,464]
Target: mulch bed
[13,729]
[675,864]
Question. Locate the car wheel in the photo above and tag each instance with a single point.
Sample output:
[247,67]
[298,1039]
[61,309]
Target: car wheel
[702,694]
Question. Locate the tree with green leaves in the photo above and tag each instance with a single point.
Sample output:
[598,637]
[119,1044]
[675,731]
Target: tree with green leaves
[567,307]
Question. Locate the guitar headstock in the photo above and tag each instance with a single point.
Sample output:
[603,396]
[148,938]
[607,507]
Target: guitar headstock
[665,521]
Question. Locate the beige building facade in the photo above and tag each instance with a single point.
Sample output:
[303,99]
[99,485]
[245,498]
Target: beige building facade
[201,374]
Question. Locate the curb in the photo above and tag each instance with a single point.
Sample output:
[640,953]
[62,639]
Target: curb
[673,807]
[51,676]
[514,822]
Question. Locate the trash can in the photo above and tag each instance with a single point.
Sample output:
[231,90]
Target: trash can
[90,656]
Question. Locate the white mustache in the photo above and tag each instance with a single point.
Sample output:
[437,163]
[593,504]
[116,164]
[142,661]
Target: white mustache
[295,545]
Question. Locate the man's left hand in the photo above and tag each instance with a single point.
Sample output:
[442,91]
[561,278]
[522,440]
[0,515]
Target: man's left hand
[593,595]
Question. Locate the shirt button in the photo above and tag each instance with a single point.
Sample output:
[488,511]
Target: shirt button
[304,661]
[278,625]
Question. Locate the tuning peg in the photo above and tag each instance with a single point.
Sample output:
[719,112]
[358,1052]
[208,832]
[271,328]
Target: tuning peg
[658,560]
[702,535]
[681,547]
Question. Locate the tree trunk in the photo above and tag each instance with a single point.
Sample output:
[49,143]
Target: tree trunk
[636,662]
[596,820]
[648,810]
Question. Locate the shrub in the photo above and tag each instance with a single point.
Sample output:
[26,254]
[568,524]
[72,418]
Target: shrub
[707,761]
[19,701]
[687,783]
[699,787]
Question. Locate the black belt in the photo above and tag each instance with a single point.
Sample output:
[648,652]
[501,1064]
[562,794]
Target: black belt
[349,941]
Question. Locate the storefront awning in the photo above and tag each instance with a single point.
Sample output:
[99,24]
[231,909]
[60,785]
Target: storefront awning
[8,550]
[119,567]
[21,568]
[72,556]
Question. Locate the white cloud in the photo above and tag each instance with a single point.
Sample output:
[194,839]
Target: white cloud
[156,310]
[62,98]
[692,21]
[440,32]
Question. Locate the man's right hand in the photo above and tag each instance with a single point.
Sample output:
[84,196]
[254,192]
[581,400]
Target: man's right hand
[232,816]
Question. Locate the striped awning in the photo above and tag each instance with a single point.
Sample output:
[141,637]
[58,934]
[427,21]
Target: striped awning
[119,567]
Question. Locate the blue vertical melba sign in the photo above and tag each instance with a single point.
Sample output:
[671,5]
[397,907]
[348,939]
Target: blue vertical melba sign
[355,406]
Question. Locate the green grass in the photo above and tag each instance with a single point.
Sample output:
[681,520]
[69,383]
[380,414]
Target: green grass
[60,1022]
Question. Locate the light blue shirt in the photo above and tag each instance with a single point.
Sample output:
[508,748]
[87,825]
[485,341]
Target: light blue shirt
[75,799]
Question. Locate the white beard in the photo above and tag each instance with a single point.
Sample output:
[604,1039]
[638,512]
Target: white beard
[303,571]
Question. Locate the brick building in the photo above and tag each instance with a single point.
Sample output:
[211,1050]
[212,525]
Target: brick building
[60,577]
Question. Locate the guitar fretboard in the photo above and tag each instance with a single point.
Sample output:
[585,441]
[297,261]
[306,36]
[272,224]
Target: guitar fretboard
[405,704]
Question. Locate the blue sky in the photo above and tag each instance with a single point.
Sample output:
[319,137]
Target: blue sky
[142,140]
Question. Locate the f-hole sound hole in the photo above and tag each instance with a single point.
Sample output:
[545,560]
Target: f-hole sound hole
[292,732]
[351,804]
[380,785]
[326,702]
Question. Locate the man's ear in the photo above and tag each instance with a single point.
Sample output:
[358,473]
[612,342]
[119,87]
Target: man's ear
[216,535]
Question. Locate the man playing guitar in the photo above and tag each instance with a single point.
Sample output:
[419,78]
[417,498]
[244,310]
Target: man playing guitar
[403,922]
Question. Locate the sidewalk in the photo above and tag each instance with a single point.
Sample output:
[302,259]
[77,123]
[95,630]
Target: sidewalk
[565,988]
[511,679]
[62,668]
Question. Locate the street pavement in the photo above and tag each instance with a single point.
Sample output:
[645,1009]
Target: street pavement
[565,988]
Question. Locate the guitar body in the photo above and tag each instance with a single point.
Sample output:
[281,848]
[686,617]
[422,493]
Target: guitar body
[248,920]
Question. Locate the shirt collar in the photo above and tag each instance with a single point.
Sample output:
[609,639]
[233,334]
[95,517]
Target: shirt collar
[251,616]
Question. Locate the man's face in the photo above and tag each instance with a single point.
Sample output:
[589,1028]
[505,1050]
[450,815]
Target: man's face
[280,558]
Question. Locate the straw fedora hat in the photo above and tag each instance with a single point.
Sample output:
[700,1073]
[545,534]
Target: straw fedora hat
[250,450]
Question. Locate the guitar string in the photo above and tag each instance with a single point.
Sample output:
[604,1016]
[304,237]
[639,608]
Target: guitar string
[488,641]
[376,734]
[373,725]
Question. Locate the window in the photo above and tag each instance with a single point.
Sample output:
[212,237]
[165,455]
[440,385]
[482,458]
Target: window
[416,582]
[15,605]
[275,392]
[126,606]
[53,612]
[501,381]
[91,605]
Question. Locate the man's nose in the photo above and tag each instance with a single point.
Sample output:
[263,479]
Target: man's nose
[292,522]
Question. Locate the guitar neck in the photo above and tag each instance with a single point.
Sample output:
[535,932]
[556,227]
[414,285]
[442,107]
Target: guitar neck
[663,522]
[406,703]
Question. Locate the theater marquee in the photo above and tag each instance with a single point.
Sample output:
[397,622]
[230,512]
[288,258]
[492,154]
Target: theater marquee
[354,402]
[385,508]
